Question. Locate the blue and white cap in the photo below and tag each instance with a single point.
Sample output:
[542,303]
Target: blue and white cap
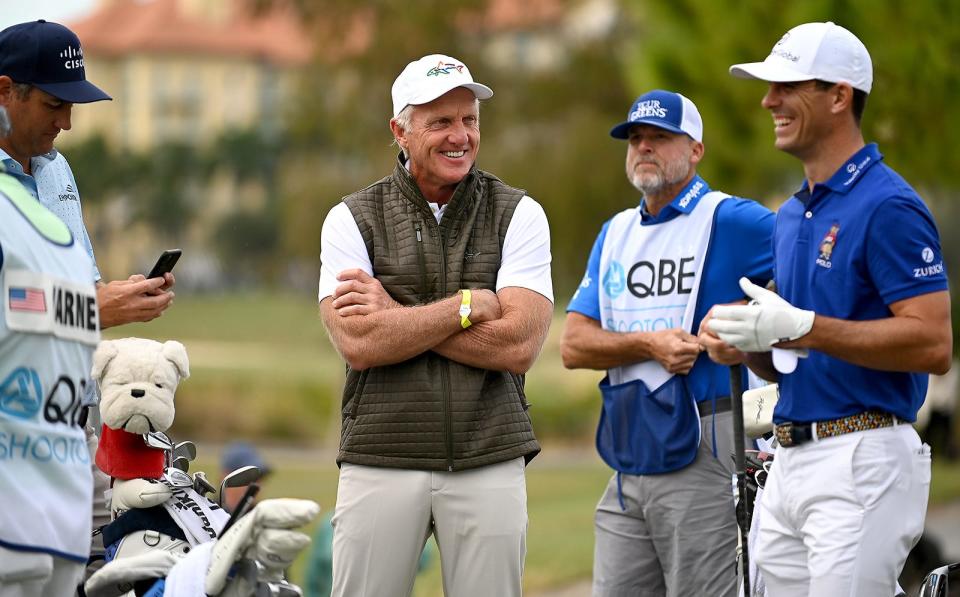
[664,109]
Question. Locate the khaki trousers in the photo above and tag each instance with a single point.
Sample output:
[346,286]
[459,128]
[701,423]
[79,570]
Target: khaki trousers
[384,516]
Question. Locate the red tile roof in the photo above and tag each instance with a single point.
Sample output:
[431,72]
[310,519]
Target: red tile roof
[500,15]
[127,26]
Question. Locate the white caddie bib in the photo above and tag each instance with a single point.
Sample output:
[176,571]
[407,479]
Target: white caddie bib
[48,330]
[650,278]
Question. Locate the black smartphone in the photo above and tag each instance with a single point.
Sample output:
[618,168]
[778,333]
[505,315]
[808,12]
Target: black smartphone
[164,263]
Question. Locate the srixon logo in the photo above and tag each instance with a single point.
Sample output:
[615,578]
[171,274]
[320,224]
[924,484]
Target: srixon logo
[73,58]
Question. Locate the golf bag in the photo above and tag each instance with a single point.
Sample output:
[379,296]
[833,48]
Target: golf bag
[166,537]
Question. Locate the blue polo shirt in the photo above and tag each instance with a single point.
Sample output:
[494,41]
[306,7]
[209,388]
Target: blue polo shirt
[856,244]
[740,246]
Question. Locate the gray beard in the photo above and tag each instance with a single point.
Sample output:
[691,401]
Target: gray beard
[654,182]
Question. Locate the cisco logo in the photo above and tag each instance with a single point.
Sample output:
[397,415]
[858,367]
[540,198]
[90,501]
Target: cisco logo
[73,58]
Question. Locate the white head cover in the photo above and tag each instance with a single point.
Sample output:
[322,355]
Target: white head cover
[823,51]
[426,79]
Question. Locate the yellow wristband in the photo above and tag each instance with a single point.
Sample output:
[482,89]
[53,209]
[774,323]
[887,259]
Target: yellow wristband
[465,308]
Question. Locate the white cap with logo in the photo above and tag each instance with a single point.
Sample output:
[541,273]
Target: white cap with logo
[823,51]
[426,79]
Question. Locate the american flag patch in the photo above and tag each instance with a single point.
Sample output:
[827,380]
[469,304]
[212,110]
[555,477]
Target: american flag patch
[27,299]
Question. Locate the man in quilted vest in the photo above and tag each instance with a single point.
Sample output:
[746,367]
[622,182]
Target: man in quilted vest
[435,288]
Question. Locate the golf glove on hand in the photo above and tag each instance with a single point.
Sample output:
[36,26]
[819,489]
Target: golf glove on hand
[766,321]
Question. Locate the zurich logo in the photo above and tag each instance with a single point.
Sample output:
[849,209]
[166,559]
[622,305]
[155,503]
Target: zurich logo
[927,254]
[614,280]
[20,393]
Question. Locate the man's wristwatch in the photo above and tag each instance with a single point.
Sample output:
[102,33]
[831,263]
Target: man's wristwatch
[465,309]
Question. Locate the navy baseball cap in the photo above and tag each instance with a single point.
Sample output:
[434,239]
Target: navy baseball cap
[48,56]
[663,109]
[239,454]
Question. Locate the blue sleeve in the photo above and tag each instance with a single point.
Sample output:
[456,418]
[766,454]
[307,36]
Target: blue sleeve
[586,300]
[903,250]
[742,245]
[746,228]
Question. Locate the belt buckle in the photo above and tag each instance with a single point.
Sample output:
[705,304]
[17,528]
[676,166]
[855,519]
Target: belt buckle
[786,430]
[801,434]
[798,434]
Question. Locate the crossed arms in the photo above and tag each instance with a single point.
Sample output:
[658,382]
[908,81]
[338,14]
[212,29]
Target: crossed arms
[370,329]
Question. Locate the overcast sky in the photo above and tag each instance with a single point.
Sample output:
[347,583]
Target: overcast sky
[61,11]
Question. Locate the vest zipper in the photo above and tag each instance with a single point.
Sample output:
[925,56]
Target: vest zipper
[445,370]
[421,259]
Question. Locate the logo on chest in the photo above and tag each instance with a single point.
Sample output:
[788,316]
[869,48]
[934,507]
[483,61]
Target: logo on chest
[650,278]
[827,246]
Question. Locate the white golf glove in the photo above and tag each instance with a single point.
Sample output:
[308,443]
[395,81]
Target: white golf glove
[263,535]
[766,321]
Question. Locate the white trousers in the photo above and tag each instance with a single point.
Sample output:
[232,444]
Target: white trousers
[384,516]
[32,574]
[840,515]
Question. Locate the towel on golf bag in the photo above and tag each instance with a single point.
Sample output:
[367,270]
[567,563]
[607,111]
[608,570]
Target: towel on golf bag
[200,519]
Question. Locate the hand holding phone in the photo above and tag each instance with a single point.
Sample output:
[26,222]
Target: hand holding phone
[164,263]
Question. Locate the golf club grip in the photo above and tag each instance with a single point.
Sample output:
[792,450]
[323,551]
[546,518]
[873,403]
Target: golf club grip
[242,506]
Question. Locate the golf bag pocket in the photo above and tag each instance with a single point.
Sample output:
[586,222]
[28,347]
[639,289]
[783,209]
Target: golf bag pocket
[644,432]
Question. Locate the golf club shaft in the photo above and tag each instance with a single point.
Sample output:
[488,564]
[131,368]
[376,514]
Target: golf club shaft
[740,461]
[242,506]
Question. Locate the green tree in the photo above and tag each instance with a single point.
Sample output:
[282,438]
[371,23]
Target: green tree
[688,45]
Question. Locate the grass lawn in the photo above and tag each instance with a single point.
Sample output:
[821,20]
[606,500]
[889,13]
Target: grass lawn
[263,370]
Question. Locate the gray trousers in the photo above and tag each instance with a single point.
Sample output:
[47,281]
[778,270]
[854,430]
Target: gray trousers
[678,534]
[384,516]
[33,574]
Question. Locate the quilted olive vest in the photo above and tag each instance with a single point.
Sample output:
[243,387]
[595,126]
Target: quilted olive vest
[431,413]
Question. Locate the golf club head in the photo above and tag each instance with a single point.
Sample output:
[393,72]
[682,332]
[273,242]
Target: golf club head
[181,463]
[186,449]
[278,588]
[245,475]
[159,440]
[177,478]
[201,485]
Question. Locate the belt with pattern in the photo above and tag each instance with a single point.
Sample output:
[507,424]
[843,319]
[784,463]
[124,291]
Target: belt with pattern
[794,434]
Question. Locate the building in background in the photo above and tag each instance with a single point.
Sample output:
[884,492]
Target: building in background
[537,35]
[187,70]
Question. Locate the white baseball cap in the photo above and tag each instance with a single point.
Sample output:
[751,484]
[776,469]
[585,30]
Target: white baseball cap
[824,51]
[426,79]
